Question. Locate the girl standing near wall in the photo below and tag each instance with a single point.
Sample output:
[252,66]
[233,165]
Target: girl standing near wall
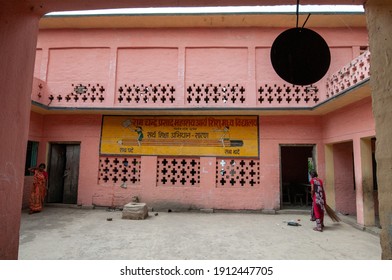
[319,201]
[38,192]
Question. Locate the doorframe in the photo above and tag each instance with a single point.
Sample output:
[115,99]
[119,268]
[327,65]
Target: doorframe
[314,156]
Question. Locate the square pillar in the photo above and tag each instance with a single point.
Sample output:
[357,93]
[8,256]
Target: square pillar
[148,178]
[379,24]
[329,176]
[207,180]
[18,37]
[364,181]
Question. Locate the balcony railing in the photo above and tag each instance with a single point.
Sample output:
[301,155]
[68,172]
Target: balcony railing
[352,74]
[200,94]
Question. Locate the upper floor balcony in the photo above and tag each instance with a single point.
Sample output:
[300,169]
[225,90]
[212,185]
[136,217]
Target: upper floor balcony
[192,95]
[224,69]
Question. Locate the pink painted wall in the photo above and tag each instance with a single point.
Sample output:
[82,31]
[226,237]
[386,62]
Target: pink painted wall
[353,121]
[36,128]
[346,125]
[18,33]
[222,64]
[179,57]
[135,64]
[78,64]
[344,178]
[266,195]
[182,57]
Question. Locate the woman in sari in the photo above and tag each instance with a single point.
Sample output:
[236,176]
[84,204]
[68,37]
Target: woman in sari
[38,192]
[319,201]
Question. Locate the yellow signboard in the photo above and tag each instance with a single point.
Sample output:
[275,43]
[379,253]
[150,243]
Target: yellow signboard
[223,136]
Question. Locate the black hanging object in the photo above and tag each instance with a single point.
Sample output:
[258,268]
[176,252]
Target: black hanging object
[300,56]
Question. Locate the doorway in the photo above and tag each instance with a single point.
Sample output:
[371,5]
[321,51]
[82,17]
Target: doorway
[63,173]
[375,186]
[295,163]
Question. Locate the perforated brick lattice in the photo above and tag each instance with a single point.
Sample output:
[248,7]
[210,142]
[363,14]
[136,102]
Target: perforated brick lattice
[214,94]
[90,93]
[39,91]
[287,94]
[237,172]
[119,170]
[350,75]
[150,94]
[178,172]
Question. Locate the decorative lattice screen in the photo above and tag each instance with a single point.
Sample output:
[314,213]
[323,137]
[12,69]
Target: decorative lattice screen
[178,172]
[146,94]
[81,93]
[287,94]
[119,170]
[215,94]
[237,172]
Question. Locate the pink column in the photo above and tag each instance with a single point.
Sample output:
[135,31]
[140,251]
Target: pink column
[18,37]
[207,181]
[358,181]
[148,178]
[364,182]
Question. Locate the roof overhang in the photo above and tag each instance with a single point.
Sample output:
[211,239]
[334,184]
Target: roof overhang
[347,20]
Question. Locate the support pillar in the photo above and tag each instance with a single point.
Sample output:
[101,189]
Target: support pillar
[364,181]
[379,23]
[18,37]
[367,182]
[329,176]
[207,181]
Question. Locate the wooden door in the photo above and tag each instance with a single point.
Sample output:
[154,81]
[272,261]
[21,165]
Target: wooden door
[56,173]
[63,173]
[71,174]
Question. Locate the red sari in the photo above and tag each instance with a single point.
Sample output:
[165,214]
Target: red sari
[319,201]
[38,192]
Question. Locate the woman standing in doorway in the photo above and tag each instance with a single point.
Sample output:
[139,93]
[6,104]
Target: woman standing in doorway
[319,201]
[38,192]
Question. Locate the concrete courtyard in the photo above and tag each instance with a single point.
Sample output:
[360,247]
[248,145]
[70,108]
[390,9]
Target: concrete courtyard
[60,233]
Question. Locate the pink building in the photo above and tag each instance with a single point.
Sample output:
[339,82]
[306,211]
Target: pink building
[188,113]
[19,31]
